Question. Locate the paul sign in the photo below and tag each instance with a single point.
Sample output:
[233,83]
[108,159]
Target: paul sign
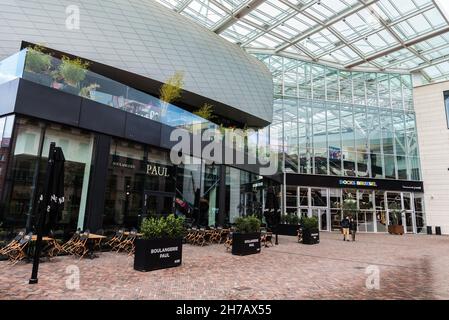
[154,169]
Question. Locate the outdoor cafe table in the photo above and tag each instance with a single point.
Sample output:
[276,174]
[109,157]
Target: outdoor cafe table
[32,247]
[92,240]
[127,233]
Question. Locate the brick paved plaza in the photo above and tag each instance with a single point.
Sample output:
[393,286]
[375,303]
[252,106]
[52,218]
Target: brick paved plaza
[411,267]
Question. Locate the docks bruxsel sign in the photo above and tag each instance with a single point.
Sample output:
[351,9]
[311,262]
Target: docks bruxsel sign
[355,183]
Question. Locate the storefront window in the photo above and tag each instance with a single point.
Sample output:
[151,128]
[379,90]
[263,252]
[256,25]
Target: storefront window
[27,172]
[77,147]
[318,197]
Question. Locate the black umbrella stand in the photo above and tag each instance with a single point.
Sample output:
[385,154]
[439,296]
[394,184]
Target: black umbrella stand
[49,200]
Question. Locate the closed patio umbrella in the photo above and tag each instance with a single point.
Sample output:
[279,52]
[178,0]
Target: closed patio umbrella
[51,201]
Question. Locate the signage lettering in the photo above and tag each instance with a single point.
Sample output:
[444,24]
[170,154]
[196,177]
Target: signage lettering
[358,183]
[123,165]
[251,241]
[163,252]
[155,170]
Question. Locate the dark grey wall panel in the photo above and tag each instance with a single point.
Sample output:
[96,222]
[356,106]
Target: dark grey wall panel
[8,93]
[98,117]
[46,103]
[142,130]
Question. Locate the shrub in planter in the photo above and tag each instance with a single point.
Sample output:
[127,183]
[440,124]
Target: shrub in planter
[246,238]
[289,225]
[37,66]
[395,226]
[73,71]
[161,244]
[310,231]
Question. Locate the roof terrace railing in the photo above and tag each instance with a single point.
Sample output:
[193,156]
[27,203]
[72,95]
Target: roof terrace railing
[73,76]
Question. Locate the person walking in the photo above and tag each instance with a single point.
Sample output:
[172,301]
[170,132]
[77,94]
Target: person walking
[353,228]
[345,228]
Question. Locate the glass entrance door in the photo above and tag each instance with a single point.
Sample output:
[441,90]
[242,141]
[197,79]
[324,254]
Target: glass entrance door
[158,203]
[322,216]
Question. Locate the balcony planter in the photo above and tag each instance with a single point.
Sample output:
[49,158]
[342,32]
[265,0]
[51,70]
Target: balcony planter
[158,253]
[245,243]
[311,236]
[285,229]
[396,229]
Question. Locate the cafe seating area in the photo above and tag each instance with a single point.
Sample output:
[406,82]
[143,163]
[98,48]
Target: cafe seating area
[202,236]
[80,245]
[84,244]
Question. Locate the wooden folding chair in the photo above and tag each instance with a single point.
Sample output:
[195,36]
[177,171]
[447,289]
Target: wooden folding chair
[80,247]
[127,245]
[71,244]
[223,235]
[191,235]
[12,244]
[18,252]
[200,238]
[228,242]
[267,238]
[216,235]
[116,239]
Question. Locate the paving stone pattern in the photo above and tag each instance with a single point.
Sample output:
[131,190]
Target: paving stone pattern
[410,267]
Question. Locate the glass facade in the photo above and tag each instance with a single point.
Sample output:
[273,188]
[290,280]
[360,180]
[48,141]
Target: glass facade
[341,123]
[24,178]
[140,181]
[332,122]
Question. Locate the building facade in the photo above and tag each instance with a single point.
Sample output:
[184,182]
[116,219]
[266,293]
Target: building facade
[346,135]
[117,143]
[432,110]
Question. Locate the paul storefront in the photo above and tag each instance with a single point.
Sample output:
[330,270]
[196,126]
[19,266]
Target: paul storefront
[116,188]
[117,168]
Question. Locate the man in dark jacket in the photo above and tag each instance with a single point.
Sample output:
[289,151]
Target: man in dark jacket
[345,228]
[353,228]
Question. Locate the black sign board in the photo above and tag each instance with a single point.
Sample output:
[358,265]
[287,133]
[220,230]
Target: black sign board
[157,254]
[293,179]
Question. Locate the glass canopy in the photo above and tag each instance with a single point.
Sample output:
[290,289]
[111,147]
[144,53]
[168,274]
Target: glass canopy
[386,35]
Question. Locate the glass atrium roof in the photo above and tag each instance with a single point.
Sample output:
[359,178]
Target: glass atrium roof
[386,35]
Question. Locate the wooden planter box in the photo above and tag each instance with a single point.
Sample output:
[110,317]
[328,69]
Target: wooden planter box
[396,229]
[288,229]
[156,254]
[311,236]
[245,243]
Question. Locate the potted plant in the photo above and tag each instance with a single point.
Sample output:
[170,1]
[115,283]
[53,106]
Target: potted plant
[161,244]
[289,225]
[395,226]
[246,238]
[37,66]
[310,231]
[349,207]
[73,71]
[89,91]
